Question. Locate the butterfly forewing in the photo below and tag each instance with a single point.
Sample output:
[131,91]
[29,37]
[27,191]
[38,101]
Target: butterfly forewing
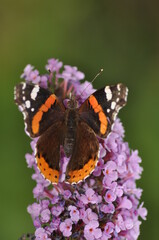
[39,107]
[101,108]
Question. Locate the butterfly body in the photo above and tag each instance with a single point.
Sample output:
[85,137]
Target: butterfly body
[75,128]
[71,124]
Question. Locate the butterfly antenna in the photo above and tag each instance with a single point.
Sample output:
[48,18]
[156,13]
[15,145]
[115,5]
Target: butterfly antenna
[101,70]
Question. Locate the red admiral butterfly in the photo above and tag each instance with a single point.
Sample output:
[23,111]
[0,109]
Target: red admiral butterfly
[74,128]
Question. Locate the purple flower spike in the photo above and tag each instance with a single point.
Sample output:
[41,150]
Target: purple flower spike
[104,206]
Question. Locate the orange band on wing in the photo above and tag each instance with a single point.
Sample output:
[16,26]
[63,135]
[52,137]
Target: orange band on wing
[102,117]
[104,122]
[93,101]
[50,174]
[98,109]
[79,175]
[35,123]
[50,101]
[38,116]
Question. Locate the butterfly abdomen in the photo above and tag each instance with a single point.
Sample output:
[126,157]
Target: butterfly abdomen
[71,122]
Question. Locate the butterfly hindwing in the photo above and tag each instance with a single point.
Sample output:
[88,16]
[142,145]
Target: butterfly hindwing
[101,108]
[48,152]
[38,106]
[84,156]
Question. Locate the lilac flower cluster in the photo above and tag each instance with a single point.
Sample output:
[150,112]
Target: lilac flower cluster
[104,206]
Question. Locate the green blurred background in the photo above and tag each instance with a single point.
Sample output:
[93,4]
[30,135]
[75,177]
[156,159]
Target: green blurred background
[120,36]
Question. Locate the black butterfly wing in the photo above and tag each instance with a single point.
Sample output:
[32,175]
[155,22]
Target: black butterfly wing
[84,156]
[48,151]
[40,108]
[101,108]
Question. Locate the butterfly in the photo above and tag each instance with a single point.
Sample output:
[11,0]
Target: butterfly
[75,128]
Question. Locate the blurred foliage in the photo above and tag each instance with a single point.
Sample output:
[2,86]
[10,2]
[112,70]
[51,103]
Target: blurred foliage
[120,36]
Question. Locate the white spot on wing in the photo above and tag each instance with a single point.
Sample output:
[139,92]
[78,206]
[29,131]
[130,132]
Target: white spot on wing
[24,115]
[24,98]
[35,152]
[127,91]
[34,92]
[126,94]
[14,90]
[108,93]
[24,86]
[32,109]
[118,107]
[113,104]
[27,104]
[114,115]
[119,87]
[108,110]
[20,108]
[15,93]
[26,130]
